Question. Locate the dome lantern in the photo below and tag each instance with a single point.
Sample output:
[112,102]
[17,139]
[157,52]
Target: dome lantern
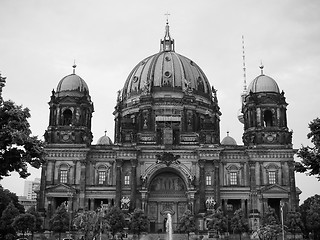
[167,44]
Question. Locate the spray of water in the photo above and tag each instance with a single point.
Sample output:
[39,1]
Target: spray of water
[169,226]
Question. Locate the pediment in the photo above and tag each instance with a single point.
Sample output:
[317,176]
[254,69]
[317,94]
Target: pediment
[274,188]
[61,188]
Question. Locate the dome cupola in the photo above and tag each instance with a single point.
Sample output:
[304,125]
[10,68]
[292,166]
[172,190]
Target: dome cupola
[167,94]
[228,140]
[166,71]
[73,85]
[263,83]
[104,140]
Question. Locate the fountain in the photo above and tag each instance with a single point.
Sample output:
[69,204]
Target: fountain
[169,226]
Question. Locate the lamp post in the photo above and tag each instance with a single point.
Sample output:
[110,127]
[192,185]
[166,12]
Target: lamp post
[281,208]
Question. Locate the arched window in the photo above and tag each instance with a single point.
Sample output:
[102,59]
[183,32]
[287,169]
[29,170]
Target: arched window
[208,180]
[127,179]
[67,117]
[233,174]
[63,173]
[267,118]
[272,173]
[103,175]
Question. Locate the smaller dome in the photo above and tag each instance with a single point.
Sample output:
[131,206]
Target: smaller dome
[263,83]
[104,140]
[72,82]
[228,140]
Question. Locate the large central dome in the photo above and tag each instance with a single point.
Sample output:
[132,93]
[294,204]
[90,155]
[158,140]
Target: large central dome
[166,71]
[167,100]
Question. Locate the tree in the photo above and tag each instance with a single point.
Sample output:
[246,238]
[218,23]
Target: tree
[139,222]
[239,224]
[294,223]
[60,220]
[24,223]
[17,147]
[9,197]
[311,155]
[187,222]
[6,220]
[115,219]
[217,222]
[87,222]
[310,216]
[270,227]
[38,219]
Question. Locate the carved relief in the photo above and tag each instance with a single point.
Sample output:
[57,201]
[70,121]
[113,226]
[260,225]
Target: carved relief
[167,182]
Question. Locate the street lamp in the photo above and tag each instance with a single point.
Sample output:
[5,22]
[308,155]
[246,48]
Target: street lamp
[281,208]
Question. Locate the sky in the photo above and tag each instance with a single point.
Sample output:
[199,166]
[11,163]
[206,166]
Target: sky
[41,39]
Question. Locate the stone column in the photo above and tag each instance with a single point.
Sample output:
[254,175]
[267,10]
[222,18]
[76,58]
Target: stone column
[242,179]
[74,171]
[261,174]
[253,186]
[293,201]
[282,171]
[134,163]
[217,183]
[82,184]
[118,181]
[202,183]
[53,170]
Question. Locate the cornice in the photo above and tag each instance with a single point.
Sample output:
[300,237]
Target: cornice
[66,153]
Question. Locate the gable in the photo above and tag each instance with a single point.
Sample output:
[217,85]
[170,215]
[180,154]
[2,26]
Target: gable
[274,188]
[60,189]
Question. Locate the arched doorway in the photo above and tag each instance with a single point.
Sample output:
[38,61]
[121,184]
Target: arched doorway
[167,194]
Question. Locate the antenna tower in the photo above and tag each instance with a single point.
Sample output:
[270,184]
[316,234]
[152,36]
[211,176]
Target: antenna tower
[244,68]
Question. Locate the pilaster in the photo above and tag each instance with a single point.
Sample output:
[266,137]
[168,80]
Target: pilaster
[202,185]
[134,163]
[119,163]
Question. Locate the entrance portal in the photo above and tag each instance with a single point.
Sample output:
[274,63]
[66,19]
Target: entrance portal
[167,194]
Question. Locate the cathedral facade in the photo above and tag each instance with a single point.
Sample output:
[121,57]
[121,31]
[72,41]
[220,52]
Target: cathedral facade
[167,156]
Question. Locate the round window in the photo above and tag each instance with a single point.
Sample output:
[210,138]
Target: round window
[167,74]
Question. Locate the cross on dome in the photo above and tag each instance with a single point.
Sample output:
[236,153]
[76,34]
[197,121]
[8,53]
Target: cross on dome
[74,66]
[167,44]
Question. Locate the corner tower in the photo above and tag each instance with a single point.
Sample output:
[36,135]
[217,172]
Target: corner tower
[70,112]
[264,112]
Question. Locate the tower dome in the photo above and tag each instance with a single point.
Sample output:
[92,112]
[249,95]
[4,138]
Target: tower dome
[166,71]
[72,84]
[228,140]
[263,83]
